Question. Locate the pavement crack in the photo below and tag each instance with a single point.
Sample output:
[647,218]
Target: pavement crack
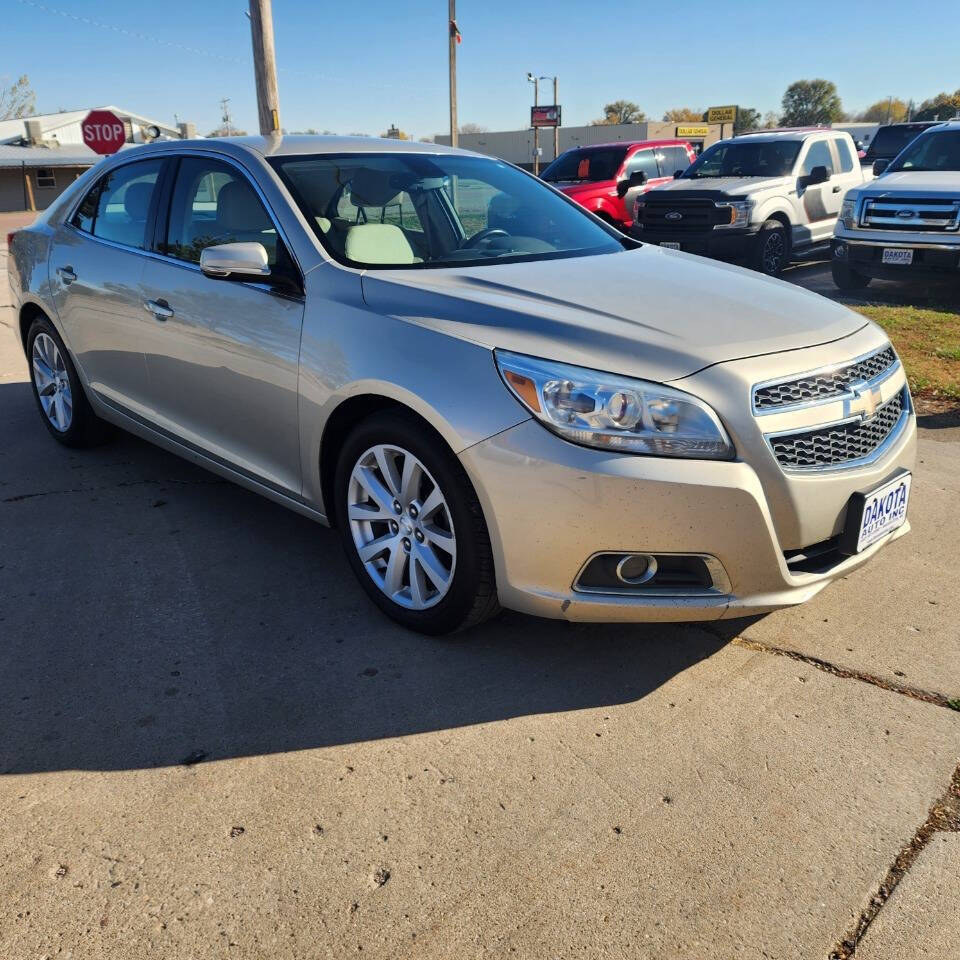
[944,817]
[845,673]
[111,486]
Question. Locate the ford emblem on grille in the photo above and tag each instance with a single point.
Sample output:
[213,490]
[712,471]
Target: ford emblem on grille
[673,215]
[906,214]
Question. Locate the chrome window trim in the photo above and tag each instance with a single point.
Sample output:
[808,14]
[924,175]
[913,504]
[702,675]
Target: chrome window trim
[721,581]
[820,371]
[176,155]
[877,454]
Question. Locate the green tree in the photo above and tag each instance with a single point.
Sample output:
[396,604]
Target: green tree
[621,111]
[811,103]
[17,100]
[891,110]
[747,119]
[944,106]
[683,115]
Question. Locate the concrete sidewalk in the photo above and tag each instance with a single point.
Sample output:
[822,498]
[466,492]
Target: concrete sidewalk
[214,746]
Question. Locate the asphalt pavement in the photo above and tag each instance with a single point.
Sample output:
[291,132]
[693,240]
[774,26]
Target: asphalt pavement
[214,746]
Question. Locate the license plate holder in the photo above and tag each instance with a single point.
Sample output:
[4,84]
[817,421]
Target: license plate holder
[898,256]
[874,514]
[670,244]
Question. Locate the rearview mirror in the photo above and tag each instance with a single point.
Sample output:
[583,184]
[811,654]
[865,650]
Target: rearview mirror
[227,259]
[880,166]
[815,176]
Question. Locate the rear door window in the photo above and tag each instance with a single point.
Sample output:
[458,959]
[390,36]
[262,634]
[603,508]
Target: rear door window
[118,207]
[844,154]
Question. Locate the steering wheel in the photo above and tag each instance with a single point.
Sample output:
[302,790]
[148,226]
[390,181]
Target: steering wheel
[486,234]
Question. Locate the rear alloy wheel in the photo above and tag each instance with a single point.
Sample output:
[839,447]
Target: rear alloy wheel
[847,279]
[57,389]
[773,248]
[412,526]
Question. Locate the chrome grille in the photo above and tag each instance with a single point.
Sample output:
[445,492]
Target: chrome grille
[911,213]
[821,386]
[838,444]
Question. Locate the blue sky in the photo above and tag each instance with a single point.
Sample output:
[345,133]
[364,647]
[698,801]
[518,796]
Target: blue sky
[358,67]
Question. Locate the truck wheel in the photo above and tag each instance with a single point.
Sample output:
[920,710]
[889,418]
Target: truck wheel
[772,251]
[847,279]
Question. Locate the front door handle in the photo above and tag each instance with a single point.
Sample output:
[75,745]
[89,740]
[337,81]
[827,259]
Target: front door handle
[159,308]
[836,189]
[66,274]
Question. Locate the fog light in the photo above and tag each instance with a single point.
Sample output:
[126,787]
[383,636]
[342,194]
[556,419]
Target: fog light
[636,568]
[840,251]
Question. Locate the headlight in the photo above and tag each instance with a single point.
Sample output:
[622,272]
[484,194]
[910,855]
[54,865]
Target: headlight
[738,210]
[612,412]
[848,214]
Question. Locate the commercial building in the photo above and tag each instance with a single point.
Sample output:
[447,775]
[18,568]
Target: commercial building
[517,146]
[41,156]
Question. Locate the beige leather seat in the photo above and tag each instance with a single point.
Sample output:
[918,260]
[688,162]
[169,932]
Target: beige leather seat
[378,243]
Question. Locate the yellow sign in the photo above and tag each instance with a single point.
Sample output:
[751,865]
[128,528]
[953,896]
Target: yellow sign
[693,131]
[722,115]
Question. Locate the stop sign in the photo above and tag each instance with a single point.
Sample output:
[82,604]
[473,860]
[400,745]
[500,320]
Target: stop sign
[103,131]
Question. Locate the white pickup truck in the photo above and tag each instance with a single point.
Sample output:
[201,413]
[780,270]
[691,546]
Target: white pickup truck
[905,224]
[759,198]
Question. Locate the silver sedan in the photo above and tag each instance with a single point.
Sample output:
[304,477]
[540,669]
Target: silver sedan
[494,397]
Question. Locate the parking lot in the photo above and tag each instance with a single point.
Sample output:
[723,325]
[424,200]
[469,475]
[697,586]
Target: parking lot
[213,745]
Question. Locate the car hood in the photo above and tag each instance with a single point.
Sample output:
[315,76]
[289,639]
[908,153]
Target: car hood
[728,186]
[921,183]
[650,312]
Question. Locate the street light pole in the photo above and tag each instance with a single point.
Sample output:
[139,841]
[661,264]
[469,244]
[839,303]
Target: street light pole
[452,31]
[265,66]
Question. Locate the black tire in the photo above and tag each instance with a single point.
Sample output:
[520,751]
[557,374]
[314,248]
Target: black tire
[772,249]
[472,595]
[85,428]
[847,279]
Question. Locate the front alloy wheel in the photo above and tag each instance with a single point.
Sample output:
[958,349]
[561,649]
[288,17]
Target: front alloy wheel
[402,527]
[412,525]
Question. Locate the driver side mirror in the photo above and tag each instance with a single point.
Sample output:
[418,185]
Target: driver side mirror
[228,259]
[815,176]
[636,179]
[880,166]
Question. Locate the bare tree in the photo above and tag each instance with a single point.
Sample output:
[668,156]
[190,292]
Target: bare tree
[226,131]
[621,111]
[17,100]
[473,128]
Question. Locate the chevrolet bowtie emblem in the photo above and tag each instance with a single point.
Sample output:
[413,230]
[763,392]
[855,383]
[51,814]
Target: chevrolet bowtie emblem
[864,401]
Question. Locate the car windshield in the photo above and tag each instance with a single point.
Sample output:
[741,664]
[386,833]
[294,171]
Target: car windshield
[732,159]
[436,210]
[590,164]
[933,151]
[889,141]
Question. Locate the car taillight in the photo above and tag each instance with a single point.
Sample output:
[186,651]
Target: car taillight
[10,237]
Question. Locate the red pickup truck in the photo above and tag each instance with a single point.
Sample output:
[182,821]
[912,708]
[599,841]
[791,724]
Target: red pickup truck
[606,177]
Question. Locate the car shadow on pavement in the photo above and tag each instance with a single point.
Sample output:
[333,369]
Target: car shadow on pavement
[153,614]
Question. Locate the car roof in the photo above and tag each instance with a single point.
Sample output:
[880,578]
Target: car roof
[667,142]
[295,145]
[787,133]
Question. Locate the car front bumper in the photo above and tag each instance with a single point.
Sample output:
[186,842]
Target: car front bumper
[552,505]
[866,257]
[726,244]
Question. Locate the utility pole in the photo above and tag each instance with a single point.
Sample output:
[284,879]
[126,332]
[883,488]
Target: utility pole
[536,130]
[556,129]
[225,114]
[452,40]
[265,66]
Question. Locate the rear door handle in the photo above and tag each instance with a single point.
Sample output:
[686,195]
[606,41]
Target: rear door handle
[66,274]
[837,188]
[159,308]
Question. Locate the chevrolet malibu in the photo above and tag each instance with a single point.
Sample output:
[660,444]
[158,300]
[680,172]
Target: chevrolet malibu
[495,398]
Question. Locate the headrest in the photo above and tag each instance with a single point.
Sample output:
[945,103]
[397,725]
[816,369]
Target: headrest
[240,209]
[371,188]
[378,243]
[136,200]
